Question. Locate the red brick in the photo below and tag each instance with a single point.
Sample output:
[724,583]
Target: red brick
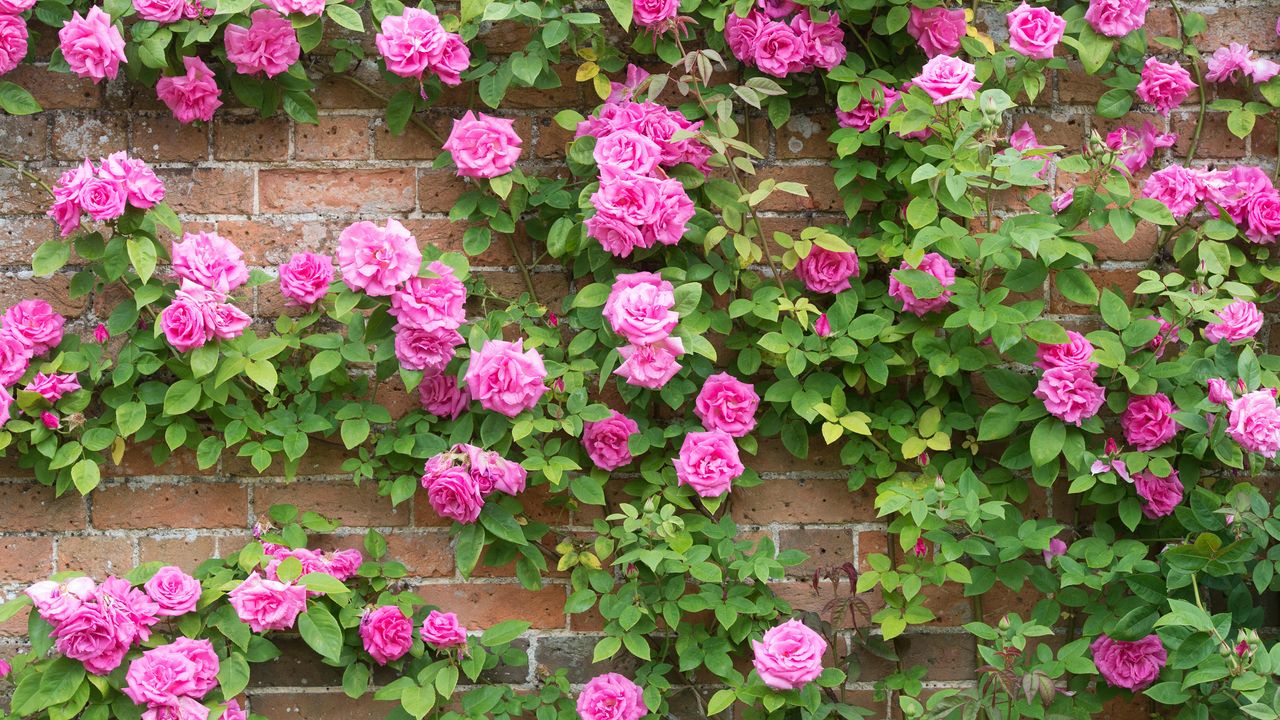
[318,706]
[825,548]
[336,137]
[439,190]
[25,559]
[186,552]
[32,507]
[353,506]
[139,506]
[802,501]
[427,554]
[161,138]
[55,91]
[306,191]
[25,137]
[93,135]
[480,605]
[209,191]
[95,555]
[249,137]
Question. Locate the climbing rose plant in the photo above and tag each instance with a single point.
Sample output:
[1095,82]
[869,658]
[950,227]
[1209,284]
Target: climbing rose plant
[913,338]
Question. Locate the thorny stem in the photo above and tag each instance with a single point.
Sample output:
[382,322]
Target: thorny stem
[27,174]
[413,118]
[1195,66]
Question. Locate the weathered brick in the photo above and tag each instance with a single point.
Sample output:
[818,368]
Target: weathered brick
[161,138]
[336,137]
[249,137]
[353,506]
[24,137]
[480,605]
[802,501]
[137,505]
[95,555]
[30,507]
[92,135]
[209,190]
[187,551]
[25,559]
[332,190]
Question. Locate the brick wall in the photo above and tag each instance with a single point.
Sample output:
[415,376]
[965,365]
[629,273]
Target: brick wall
[276,188]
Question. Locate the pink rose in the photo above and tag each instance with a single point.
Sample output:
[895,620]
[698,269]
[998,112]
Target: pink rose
[1130,665]
[639,307]
[268,604]
[92,45]
[442,396]
[1263,69]
[1220,392]
[789,655]
[1063,201]
[184,326]
[777,8]
[869,109]
[182,708]
[1116,18]
[229,321]
[493,473]
[1075,352]
[173,590]
[827,271]
[15,357]
[654,13]
[431,303]
[305,279]
[442,630]
[611,697]
[606,440]
[626,151]
[1176,187]
[296,7]
[933,264]
[1160,495]
[142,188]
[6,406]
[822,326]
[1238,321]
[161,11]
[1229,63]
[708,462]
[35,324]
[15,7]
[672,214]
[1070,394]
[66,209]
[13,41]
[375,259]
[412,42]
[824,41]
[740,34]
[1136,147]
[726,403]
[88,635]
[452,492]
[937,29]
[191,96]
[1035,31]
[210,260]
[387,633]
[50,420]
[1148,421]
[779,51]
[102,198]
[1024,139]
[1056,547]
[506,378]
[427,350]
[233,711]
[650,366]
[1164,85]
[1254,423]
[483,146]
[269,45]
[454,58]
[128,609]
[947,78]
[616,236]
[55,602]
[159,676]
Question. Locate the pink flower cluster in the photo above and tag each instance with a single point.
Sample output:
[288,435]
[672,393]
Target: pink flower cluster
[650,120]
[341,564]
[269,45]
[170,11]
[1254,422]
[458,481]
[1067,386]
[415,42]
[171,679]
[611,697]
[1164,85]
[505,378]
[28,329]
[637,205]
[654,14]
[882,104]
[483,146]
[1244,193]
[13,34]
[1116,18]
[192,96]
[92,45]
[708,463]
[640,310]
[442,396]
[1024,140]
[1129,665]
[209,267]
[1148,421]
[606,441]
[387,633]
[789,656]
[104,191]
[429,311]
[780,48]
[305,279]
[933,264]
[95,624]
[1235,61]
[266,604]
[1240,320]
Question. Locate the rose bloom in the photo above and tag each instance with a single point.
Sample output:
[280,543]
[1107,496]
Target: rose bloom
[387,633]
[431,303]
[200,652]
[193,96]
[726,403]
[1240,320]
[1262,215]
[506,378]
[305,279]
[493,473]
[1075,352]
[653,13]
[173,590]
[15,7]
[822,326]
[1035,31]
[611,697]
[89,636]
[483,146]
[627,151]
[55,602]
[1024,139]
[827,271]
[415,42]
[102,198]
[633,199]
[880,105]
[1164,85]
[15,358]
[740,34]
[1056,547]
[937,29]
[650,366]
[1176,187]
[233,711]
[159,676]
[35,324]
[708,462]
[777,8]
[779,51]
[1070,394]
[6,406]
[789,655]
[268,604]
[66,210]
[142,188]
[182,708]
[1229,63]
[947,78]
[1220,392]
[935,265]
[296,7]
[616,236]
[427,350]
[672,214]
[1148,421]
[1116,18]
[183,324]
[1254,423]
[52,386]
[269,45]
[210,260]
[639,307]
[92,45]
[377,259]
[442,396]
[1160,495]
[1130,665]
[13,41]
[824,41]
[1136,147]
[161,11]
[606,440]
[453,493]
[442,630]
[129,610]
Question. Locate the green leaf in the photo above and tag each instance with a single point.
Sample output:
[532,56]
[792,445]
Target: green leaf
[467,548]
[86,476]
[503,633]
[323,583]
[324,362]
[1114,310]
[345,16]
[50,257]
[593,295]
[355,680]
[1047,440]
[502,524]
[921,211]
[142,253]
[181,397]
[130,417]
[1076,286]
[17,101]
[233,675]
[321,631]
[1115,102]
[622,11]
[721,701]
[354,431]
[263,373]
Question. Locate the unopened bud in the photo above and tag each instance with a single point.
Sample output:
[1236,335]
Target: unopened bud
[1004,624]
[939,485]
